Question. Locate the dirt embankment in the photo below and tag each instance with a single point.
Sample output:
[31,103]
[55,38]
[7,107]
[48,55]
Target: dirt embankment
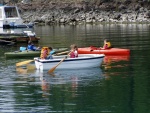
[85,11]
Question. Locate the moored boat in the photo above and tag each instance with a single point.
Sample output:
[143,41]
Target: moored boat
[110,51]
[24,36]
[20,39]
[26,53]
[82,61]
[26,39]
[10,18]
[4,42]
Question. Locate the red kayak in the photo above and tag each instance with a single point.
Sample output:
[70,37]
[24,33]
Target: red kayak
[111,51]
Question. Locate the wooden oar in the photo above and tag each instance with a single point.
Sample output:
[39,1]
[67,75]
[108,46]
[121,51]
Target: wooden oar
[28,61]
[31,67]
[24,63]
[53,68]
[65,52]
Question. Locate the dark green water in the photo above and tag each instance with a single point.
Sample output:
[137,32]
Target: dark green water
[121,85]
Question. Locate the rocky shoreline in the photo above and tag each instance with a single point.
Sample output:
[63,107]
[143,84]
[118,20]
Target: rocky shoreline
[85,12]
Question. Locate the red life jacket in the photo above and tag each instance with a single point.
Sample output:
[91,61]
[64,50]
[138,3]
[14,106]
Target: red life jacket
[73,54]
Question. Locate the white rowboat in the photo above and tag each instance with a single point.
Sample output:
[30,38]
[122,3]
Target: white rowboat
[82,61]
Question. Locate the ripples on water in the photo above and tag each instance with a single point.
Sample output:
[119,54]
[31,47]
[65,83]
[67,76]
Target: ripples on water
[121,85]
[25,89]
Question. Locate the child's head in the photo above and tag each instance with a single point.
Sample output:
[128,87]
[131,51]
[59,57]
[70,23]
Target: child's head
[105,41]
[73,46]
[50,48]
[45,49]
[30,43]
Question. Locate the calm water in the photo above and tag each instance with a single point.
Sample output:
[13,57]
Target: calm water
[120,85]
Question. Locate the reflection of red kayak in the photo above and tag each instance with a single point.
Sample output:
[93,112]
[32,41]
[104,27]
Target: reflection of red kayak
[111,51]
[111,59]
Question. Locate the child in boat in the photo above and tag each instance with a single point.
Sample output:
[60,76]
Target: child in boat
[74,51]
[107,44]
[31,46]
[50,53]
[44,52]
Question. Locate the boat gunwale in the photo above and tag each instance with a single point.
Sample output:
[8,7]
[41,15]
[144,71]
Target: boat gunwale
[21,52]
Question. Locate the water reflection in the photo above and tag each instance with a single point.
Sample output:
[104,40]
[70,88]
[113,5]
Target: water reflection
[120,35]
[109,61]
[45,85]
[114,65]
[58,91]
[22,71]
[62,77]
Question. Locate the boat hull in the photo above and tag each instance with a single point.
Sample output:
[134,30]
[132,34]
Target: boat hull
[21,26]
[111,51]
[83,61]
[4,42]
[18,54]
[23,54]
[26,39]
[21,39]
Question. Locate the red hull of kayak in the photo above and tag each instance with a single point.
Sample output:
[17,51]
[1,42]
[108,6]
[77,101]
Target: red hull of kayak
[111,51]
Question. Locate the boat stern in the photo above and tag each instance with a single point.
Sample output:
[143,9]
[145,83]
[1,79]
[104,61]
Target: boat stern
[38,64]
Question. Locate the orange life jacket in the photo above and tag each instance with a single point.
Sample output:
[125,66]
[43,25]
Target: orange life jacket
[108,45]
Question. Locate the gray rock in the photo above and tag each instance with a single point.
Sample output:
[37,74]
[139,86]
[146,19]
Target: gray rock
[89,20]
[137,7]
[124,18]
[77,10]
[84,11]
[101,20]
[147,15]
[122,7]
[62,20]
[117,16]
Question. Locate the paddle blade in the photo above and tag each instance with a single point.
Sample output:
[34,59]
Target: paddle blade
[51,70]
[30,67]
[23,63]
